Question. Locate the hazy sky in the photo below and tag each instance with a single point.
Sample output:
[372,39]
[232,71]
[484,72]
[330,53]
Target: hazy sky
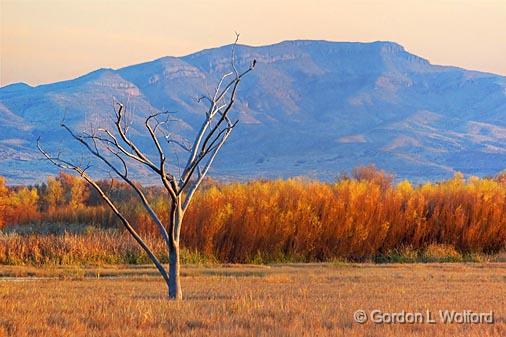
[48,40]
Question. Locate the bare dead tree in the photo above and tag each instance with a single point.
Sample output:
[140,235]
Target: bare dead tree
[118,151]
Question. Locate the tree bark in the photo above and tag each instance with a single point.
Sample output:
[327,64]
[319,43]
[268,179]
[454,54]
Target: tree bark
[175,292]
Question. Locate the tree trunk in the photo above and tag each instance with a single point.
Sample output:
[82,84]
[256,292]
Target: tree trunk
[177,214]
[175,292]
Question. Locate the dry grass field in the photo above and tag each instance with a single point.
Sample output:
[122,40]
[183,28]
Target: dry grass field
[278,300]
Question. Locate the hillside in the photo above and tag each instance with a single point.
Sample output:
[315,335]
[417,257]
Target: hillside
[312,108]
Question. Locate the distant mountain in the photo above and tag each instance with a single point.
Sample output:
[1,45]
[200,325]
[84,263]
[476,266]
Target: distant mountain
[310,108]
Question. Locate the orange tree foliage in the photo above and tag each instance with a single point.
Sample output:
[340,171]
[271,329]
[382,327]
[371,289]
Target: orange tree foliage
[18,205]
[4,199]
[356,218]
[350,218]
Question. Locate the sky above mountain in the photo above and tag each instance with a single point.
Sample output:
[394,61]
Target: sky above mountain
[50,40]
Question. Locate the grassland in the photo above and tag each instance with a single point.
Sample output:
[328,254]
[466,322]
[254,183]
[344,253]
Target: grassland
[233,300]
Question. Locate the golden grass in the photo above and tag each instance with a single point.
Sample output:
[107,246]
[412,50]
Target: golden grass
[106,247]
[280,300]
[97,247]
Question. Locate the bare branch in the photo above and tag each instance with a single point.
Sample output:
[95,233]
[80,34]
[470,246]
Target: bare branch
[124,176]
[233,55]
[82,172]
[123,134]
[202,174]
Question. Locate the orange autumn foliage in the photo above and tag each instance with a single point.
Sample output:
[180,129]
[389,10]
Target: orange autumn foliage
[350,218]
[18,205]
[356,218]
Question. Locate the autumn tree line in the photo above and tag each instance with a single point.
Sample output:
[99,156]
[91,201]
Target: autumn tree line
[356,217]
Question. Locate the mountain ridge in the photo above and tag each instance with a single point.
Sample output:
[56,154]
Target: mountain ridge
[311,107]
[299,41]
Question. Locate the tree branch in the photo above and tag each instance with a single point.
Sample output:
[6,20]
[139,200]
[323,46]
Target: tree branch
[82,172]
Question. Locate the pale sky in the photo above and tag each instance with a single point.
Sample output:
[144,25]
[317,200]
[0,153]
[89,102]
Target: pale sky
[49,40]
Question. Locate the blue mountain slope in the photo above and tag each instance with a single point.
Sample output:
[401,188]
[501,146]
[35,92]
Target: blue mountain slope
[313,108]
